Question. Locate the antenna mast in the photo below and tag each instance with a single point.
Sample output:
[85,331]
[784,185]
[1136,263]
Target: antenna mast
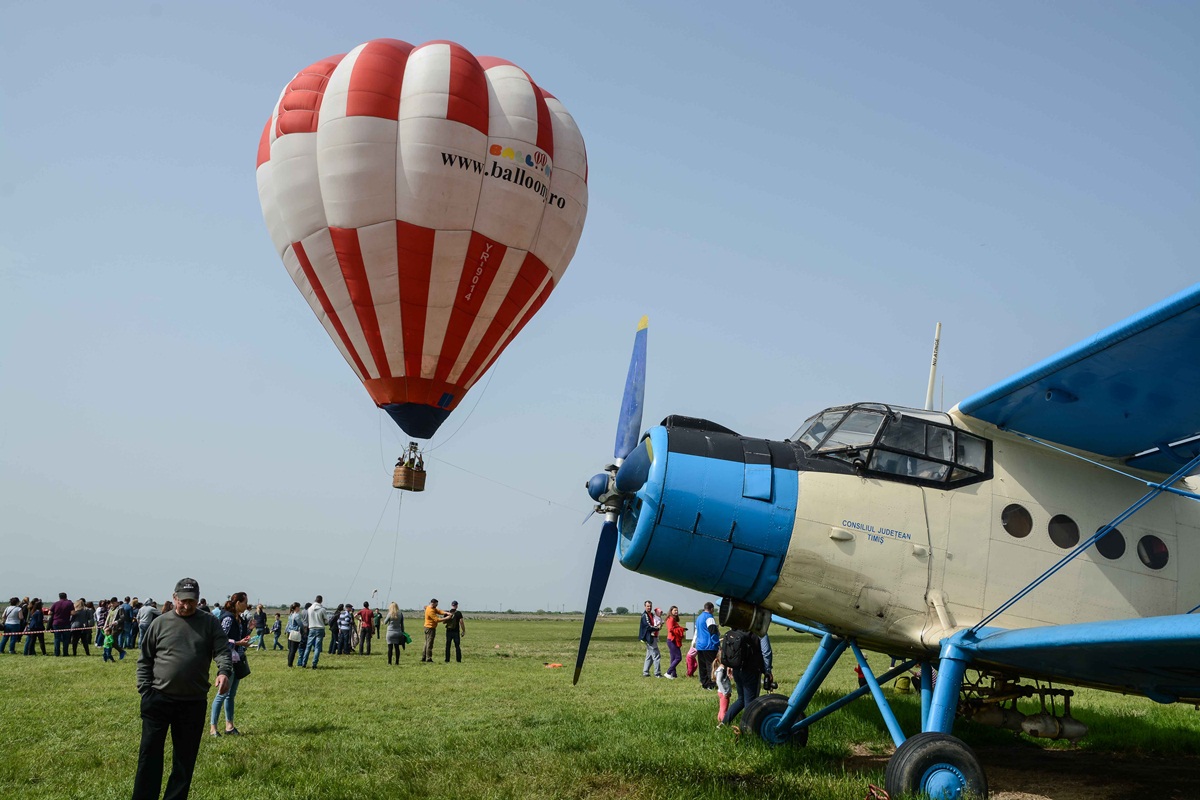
[937,338]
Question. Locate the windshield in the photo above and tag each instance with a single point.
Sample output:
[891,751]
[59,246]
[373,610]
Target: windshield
[816,427]
[857,429]
[841,428]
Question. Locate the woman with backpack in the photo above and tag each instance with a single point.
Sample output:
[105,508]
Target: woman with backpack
[237,632]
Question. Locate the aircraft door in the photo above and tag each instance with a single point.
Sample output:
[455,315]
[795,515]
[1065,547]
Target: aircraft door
[960,526]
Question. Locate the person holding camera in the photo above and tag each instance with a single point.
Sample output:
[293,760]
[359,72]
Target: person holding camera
[768,658]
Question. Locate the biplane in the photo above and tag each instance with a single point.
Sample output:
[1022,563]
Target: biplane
[1043,532]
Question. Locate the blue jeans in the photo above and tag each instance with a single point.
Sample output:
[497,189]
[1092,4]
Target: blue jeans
[62,639]
[748,684]
[313,648]
[227,701]
[13,629]
[33,638]
[653,656]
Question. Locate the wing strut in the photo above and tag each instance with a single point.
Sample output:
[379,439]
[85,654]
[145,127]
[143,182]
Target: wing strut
[1154,492]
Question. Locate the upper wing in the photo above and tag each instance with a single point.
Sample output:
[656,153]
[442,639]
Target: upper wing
[1128,392]
[1158,657]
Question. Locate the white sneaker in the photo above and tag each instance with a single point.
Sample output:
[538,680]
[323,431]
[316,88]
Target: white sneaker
[669,677]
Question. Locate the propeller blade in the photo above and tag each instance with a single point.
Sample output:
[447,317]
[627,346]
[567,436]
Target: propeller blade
[635,470]
[629,426]
[606,548]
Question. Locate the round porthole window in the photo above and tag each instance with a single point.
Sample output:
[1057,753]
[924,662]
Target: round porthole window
[1016,521]
[1111,545]
[1153,551]
[1063,531]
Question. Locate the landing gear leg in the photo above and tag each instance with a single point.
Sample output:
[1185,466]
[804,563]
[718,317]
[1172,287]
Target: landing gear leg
[933,762]
[779,720]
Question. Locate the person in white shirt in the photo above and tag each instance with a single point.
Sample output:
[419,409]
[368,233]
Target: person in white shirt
[318,617]
[14,620]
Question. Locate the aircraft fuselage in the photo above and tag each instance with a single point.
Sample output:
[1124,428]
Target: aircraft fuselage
[900,562]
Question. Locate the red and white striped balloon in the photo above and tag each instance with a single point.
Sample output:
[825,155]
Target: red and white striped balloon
[426,202]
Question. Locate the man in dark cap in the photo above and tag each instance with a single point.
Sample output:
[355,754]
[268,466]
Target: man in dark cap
[172,678]
[456,626]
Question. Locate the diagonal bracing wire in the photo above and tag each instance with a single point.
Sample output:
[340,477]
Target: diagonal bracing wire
[1158,488]
[369,542]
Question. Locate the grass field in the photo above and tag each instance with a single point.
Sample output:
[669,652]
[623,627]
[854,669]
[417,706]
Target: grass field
[498,725]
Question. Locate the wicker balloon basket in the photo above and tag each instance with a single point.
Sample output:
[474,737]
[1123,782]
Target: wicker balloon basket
[409,479]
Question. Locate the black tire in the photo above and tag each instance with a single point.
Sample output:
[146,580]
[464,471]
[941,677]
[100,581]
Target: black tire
[935,765]
[762,716]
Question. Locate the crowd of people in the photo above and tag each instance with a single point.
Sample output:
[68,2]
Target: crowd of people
[115,626]
[737,658]
[110,624]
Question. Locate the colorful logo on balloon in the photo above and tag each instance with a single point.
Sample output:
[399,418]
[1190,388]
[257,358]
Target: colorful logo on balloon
[536,160]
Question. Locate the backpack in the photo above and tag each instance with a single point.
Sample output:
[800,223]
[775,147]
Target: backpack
[740,649]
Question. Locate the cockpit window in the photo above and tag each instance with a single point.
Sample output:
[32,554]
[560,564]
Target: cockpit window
[816,428]
[857,429]
[910,445]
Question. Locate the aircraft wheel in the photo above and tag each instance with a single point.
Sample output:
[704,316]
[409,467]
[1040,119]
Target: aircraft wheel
[936,765]
[762,717]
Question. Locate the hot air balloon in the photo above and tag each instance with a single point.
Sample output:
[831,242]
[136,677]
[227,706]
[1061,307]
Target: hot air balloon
[425,202]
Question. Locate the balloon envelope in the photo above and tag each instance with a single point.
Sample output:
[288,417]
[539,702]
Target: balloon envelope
[425,202]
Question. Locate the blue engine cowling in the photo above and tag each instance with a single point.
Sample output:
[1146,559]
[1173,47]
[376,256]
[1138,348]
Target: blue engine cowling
[712,511]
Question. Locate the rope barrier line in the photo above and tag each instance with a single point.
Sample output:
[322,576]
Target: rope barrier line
[47,630]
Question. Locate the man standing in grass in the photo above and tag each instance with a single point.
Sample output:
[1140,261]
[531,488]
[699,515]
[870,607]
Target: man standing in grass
[649,635]
[456,626]
[145,615]
[708,638]
[172,678]
[317,619]
[366,627]
[433,615]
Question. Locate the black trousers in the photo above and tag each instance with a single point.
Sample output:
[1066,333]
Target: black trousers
[185,719]
[453,636]
[293,648]
[705,661]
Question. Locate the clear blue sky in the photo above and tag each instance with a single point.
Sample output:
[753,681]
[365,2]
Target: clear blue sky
[794,192]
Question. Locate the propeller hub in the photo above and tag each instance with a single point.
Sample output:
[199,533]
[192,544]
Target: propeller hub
[597,486]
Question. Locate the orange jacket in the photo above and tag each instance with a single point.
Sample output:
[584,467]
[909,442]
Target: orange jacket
[675,631]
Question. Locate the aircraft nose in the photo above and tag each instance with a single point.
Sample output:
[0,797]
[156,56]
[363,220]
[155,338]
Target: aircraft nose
[707,508]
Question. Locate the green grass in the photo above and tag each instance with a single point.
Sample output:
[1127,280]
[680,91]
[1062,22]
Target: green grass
[499,725]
